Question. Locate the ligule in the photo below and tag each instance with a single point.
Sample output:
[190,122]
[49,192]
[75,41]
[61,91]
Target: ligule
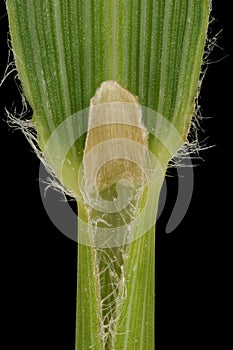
[115,118]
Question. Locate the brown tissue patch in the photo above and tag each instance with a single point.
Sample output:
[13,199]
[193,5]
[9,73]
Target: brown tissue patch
[116,142]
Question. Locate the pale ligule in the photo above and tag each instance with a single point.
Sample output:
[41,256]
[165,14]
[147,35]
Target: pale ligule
[116,142]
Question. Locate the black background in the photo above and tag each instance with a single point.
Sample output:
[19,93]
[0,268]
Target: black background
[38,263]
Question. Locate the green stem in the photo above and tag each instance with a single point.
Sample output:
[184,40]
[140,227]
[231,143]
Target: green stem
[88,325]
[115,298]
[135,325]
[134,305]
[88,312]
